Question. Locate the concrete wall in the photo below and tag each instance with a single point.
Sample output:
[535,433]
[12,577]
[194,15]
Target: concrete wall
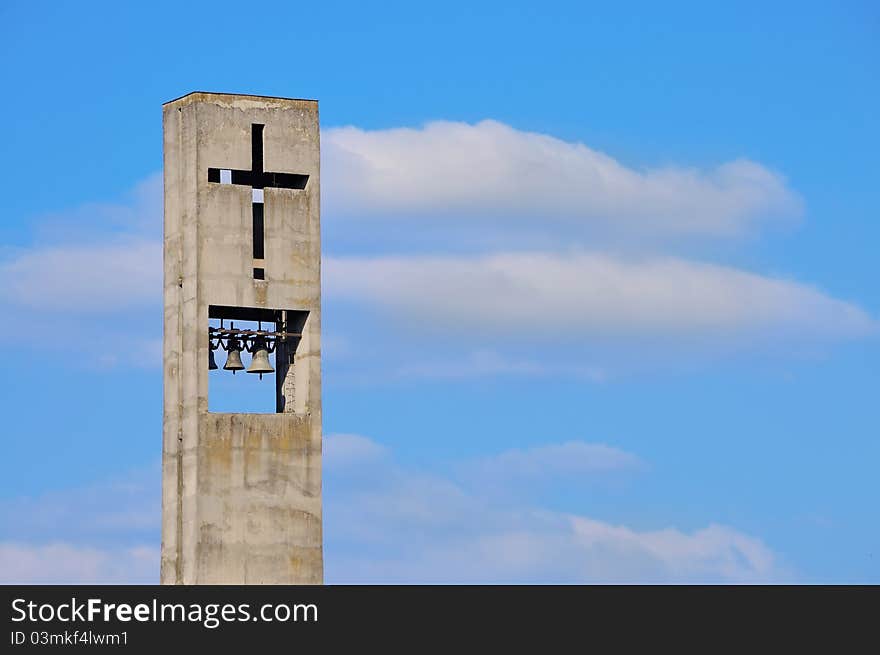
[241,495]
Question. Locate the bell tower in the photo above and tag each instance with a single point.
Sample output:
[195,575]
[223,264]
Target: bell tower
[241,492]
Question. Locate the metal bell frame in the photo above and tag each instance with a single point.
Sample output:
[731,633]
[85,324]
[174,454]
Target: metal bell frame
[252,341]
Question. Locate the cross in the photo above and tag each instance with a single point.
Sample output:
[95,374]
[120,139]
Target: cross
[258,179]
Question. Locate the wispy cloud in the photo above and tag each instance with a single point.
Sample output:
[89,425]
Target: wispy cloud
[136,214]
[92,279]
[123,510]
[384,522]
[62,563]
[582,294]
[389,523]
[102,533]
[554,461]
[488,363]
[110,293]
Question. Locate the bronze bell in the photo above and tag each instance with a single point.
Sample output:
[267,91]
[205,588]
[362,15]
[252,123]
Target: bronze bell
[233,361]
[260,361]
[212,365]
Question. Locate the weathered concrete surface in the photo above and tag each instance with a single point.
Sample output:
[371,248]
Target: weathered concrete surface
[241,493]
[259,487]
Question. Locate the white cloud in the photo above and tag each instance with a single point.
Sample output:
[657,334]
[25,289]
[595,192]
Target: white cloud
[715,551]
[62,563]
[397,525]
[123,510]
[101,266]
[101,533]
[137,213]
[102,278]
[93,260]
[498,295]
[488,170]
[386,523]
[344,449]
[541,548]
[571,458]
[486,363]
[580,294]
[101,263]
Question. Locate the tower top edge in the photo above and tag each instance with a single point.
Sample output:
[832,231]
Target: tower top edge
[211,96]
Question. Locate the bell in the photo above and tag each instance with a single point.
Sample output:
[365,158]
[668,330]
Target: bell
[212,365]
[260,361]
[233,361]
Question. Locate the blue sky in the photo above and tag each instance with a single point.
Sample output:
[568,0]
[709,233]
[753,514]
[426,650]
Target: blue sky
[600,283]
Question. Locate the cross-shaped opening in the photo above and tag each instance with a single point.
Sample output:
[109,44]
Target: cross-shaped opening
[258,179]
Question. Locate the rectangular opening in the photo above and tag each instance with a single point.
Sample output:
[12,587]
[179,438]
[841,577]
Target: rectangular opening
[285,180]
[258,230]
[230,176]
[236,335]
[257,149]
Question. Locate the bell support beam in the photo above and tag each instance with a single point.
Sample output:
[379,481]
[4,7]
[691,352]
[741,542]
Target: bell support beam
[234,332]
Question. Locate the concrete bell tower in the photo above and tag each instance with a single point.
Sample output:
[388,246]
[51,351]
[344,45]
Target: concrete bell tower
[241,492]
